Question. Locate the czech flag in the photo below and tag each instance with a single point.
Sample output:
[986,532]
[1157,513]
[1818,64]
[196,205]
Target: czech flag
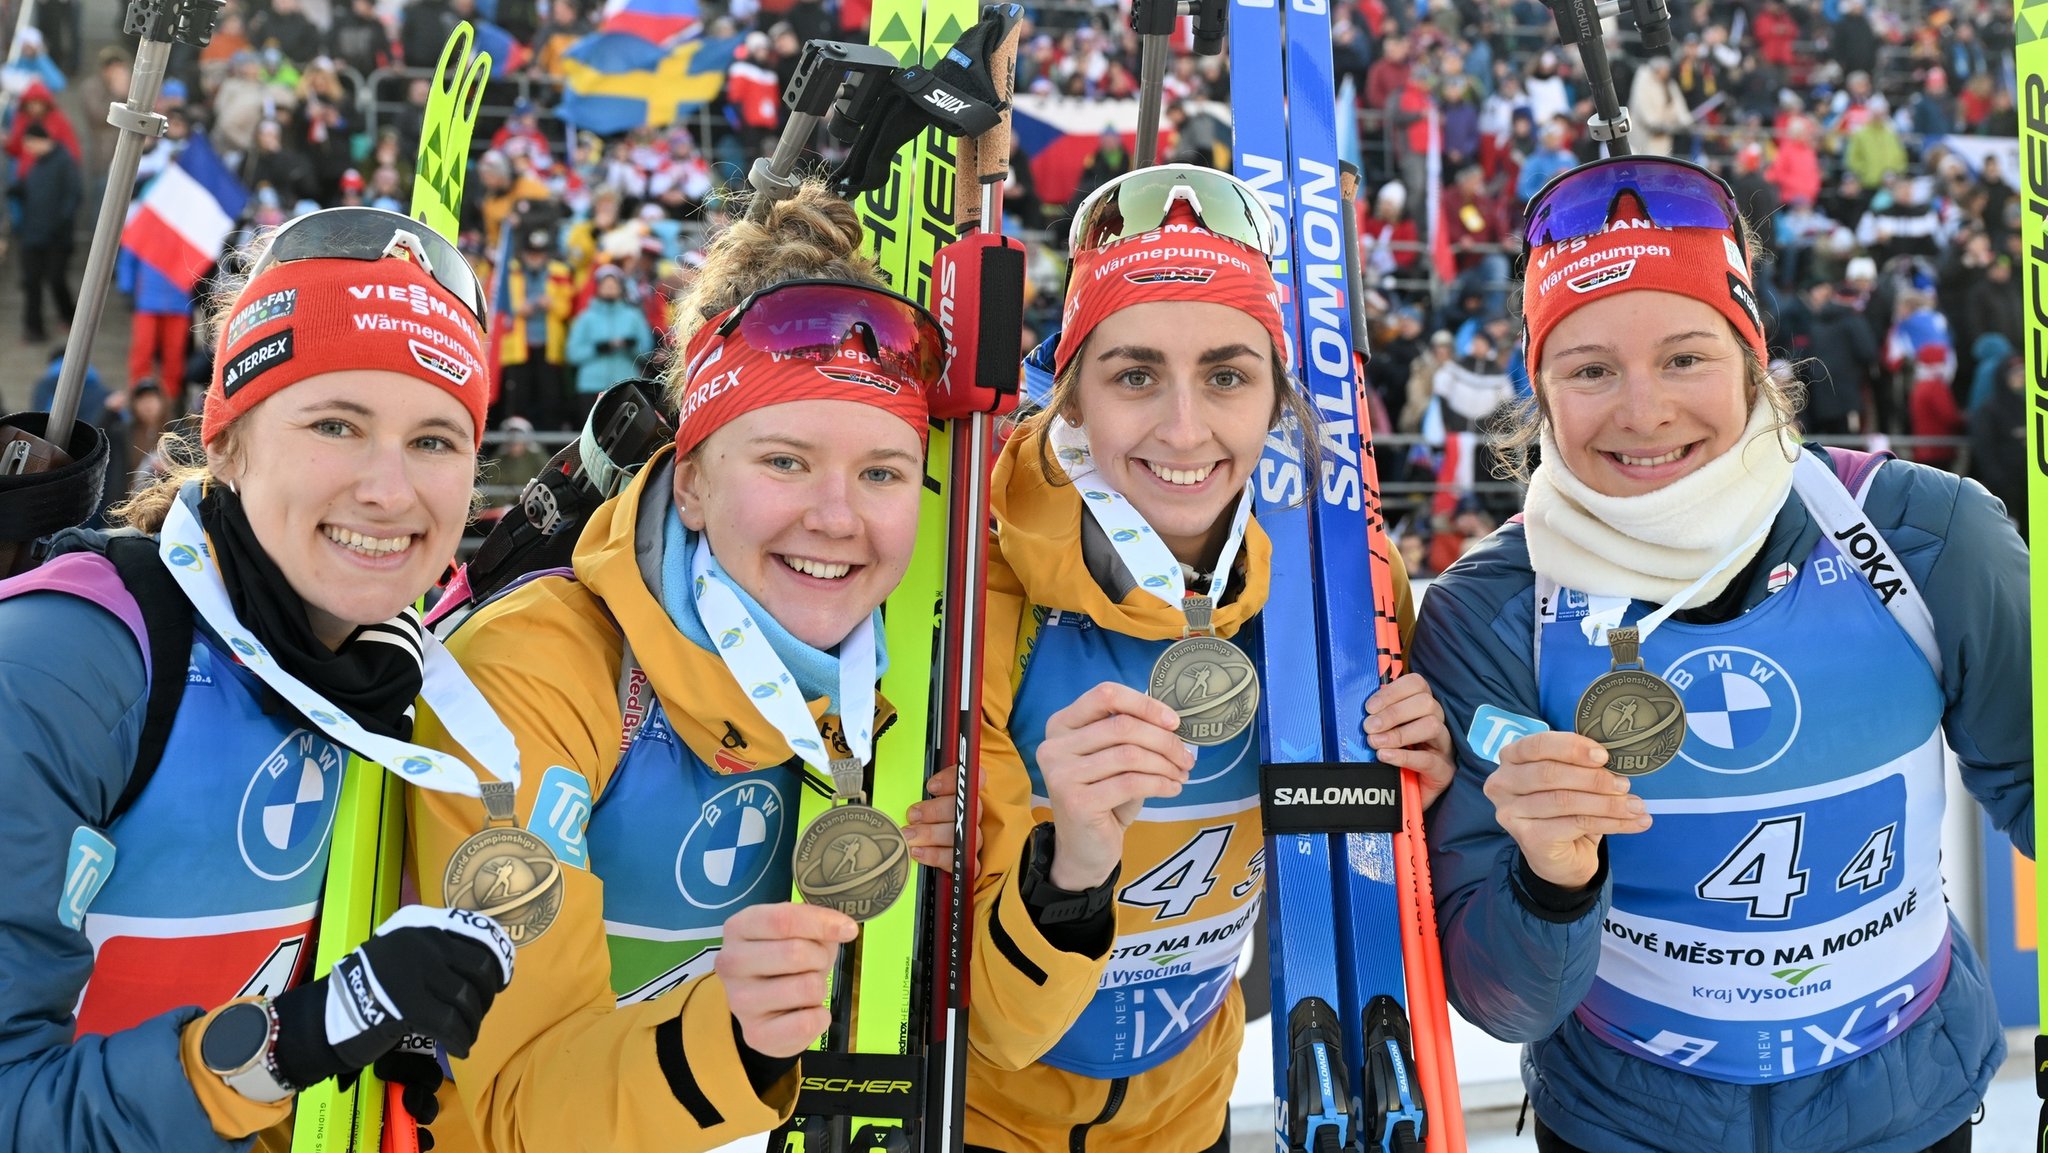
[185,214]
[656,21]
[614,82]
[1060,133]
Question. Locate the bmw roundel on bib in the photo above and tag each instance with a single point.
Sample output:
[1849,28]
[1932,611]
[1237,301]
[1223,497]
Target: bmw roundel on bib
[1742,709]
[289,804]
[740,833]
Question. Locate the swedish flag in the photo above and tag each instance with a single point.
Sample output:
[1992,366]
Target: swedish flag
[615,81]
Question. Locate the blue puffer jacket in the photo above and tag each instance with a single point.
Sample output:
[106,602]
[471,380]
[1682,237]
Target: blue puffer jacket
[1518,970]
[76,673]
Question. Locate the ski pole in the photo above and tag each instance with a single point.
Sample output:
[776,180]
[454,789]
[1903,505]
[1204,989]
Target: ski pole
[1428,1037]
[978,298]
[1153,21]
[53,466]
[829,71]
[159,23]
[1578,22]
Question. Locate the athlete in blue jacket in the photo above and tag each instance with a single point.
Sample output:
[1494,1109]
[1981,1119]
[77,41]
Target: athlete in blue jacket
[157,943]
[1716,671]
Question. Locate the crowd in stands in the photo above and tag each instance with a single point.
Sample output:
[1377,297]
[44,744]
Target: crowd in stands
[1891,287]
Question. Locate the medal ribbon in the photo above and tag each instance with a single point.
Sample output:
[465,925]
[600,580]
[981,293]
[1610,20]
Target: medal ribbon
[1151,563]
[456,702]
[752,662]
[1605,612]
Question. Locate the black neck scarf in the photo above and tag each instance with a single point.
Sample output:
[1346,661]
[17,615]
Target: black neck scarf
[374,676]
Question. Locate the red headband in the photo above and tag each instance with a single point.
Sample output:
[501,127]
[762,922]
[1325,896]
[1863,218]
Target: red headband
[303,318]
[728,378]
[1178,261]
[1703,263]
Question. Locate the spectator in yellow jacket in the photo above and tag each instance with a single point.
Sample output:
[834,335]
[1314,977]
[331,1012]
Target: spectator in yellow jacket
[533,335]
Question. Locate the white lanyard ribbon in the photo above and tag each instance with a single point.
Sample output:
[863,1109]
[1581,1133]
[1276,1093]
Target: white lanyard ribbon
[1151,563]
[1605,612]
[457,704]
[740,643]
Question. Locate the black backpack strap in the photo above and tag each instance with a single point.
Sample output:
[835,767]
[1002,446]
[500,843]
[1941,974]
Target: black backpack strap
[167,617]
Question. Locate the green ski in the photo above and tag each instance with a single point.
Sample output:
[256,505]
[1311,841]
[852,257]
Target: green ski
[368,852]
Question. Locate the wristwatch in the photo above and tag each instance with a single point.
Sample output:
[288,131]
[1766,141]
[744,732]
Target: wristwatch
[240,1047]
[1050,904]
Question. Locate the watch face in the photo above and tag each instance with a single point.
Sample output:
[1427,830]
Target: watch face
[235,1037]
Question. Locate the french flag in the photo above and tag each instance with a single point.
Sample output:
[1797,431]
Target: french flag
[184,215]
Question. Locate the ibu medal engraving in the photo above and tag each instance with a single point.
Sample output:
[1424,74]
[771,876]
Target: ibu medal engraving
[853,859]
[1211,684]
[505,872]
[1633,713]
[1207,681]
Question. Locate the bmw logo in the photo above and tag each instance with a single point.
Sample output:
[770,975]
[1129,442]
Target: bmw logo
[288,807]
[1742,710]
[742,839]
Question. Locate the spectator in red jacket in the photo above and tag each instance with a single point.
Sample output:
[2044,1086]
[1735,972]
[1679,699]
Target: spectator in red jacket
[38,106]
[1932,406]
[1796,168]
[1389,74]
[1776,34]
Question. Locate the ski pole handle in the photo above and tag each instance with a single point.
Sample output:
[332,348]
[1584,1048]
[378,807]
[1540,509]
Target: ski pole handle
[1578,22]
[1153,21]
[980,163]
[826,69]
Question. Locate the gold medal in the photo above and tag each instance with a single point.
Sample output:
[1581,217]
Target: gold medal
[1637,717]
[853,859]
[505,872]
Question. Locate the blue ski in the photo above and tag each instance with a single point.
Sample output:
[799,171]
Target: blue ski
[1329,974]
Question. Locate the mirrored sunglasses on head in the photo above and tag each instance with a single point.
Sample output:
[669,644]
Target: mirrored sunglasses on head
[813,319]
[369,234]
[1671,193]
[1138,202]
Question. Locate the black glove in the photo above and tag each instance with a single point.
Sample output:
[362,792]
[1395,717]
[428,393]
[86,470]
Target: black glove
[413,1068]
[428,971]
[958,96]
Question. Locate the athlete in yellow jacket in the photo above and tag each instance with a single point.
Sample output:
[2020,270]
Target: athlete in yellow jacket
[665,1006]
[1121,860]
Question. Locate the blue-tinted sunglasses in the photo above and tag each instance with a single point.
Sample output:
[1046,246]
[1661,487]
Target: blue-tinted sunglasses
[1672,193]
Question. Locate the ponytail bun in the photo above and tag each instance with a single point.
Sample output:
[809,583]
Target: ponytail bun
[812,235]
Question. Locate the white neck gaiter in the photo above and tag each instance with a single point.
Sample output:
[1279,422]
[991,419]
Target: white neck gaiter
[1650,547]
